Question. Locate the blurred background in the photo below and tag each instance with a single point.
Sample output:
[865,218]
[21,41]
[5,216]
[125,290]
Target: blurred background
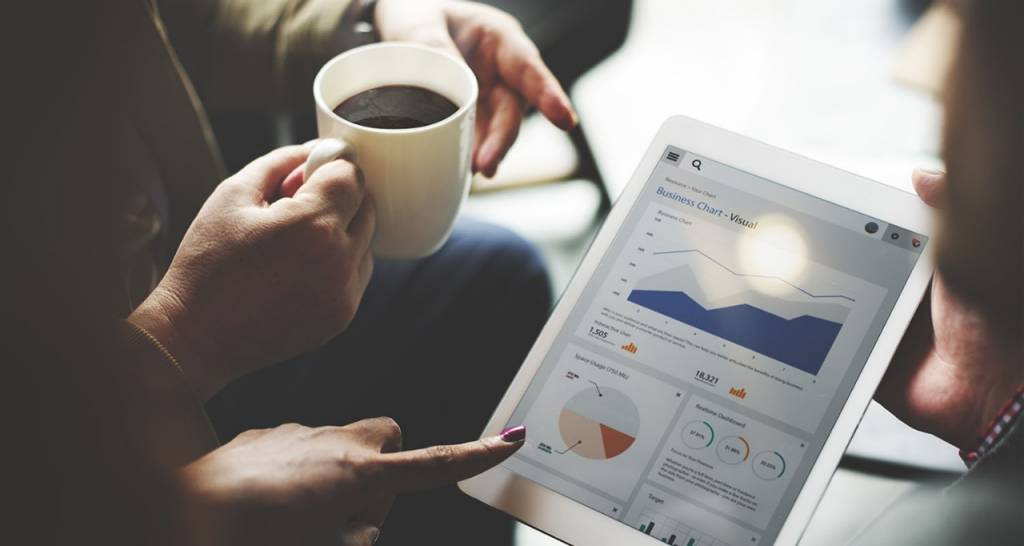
[854,84]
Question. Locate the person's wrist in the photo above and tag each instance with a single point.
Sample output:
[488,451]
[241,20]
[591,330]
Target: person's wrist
[163,316]
[451,10]
[426,22]
[999,426]
[999,393]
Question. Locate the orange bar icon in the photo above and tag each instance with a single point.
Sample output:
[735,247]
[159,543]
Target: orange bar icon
[630,348]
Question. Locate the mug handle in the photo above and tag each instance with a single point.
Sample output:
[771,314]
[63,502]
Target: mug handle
[325,151]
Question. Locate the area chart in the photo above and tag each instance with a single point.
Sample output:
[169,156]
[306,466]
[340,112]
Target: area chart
[766,315]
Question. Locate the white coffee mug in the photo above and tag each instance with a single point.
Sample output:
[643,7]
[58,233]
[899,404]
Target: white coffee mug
[419,177]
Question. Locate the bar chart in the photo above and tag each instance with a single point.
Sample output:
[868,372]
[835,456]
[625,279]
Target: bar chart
[672,531]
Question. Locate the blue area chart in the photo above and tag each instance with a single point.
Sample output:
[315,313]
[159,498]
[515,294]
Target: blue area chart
[802,342]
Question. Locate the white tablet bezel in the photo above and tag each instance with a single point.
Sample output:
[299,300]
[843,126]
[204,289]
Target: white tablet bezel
[575,523]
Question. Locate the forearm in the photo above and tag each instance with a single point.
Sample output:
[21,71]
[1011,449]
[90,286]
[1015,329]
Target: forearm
[163,419]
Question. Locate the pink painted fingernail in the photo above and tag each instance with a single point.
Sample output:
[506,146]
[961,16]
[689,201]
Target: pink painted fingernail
[513,434]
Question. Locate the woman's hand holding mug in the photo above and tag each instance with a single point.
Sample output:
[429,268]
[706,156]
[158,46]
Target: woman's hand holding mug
[509,69]
[479,58]
[268,269]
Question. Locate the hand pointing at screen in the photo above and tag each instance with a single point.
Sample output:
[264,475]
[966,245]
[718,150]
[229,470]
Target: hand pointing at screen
[327,485]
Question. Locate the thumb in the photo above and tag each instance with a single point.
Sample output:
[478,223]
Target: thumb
[358,533]
[439,466]
[266,173]
[930,186]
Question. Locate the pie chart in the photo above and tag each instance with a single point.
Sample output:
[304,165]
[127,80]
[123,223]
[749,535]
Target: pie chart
[599,423]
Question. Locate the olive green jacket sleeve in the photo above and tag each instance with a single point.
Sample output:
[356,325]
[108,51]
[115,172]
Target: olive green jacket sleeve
[245,55]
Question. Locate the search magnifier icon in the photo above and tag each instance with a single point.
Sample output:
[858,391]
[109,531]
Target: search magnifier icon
[696,164]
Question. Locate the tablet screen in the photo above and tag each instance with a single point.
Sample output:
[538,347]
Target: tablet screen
[702,369]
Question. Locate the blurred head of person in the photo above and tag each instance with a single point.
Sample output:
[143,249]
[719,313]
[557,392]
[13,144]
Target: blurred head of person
[980,243]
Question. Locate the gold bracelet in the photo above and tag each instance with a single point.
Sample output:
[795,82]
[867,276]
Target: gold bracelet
[164,352]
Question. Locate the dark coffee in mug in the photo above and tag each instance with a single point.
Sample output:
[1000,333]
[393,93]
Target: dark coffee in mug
[396,107]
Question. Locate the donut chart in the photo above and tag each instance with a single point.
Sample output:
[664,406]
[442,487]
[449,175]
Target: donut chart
[599,423]
[698,434]
[769,465]
[733,450]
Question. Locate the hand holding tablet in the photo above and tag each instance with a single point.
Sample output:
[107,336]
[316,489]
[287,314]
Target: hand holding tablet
[711,359]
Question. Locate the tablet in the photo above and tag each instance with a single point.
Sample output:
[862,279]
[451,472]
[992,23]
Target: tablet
[708,364]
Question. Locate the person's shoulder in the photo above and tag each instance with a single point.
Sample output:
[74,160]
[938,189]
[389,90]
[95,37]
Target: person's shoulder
[985,506]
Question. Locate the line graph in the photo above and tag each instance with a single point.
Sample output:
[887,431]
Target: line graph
[803,342]
[773,311]
[750,275]
[796,326]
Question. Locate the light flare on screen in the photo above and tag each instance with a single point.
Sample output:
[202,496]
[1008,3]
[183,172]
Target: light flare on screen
[776,248]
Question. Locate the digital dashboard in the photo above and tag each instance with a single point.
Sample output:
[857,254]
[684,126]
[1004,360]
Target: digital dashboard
[703,367]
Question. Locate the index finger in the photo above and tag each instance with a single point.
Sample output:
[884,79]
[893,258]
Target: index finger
[438,466]
[522,67]
[340,185]
[266,172]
